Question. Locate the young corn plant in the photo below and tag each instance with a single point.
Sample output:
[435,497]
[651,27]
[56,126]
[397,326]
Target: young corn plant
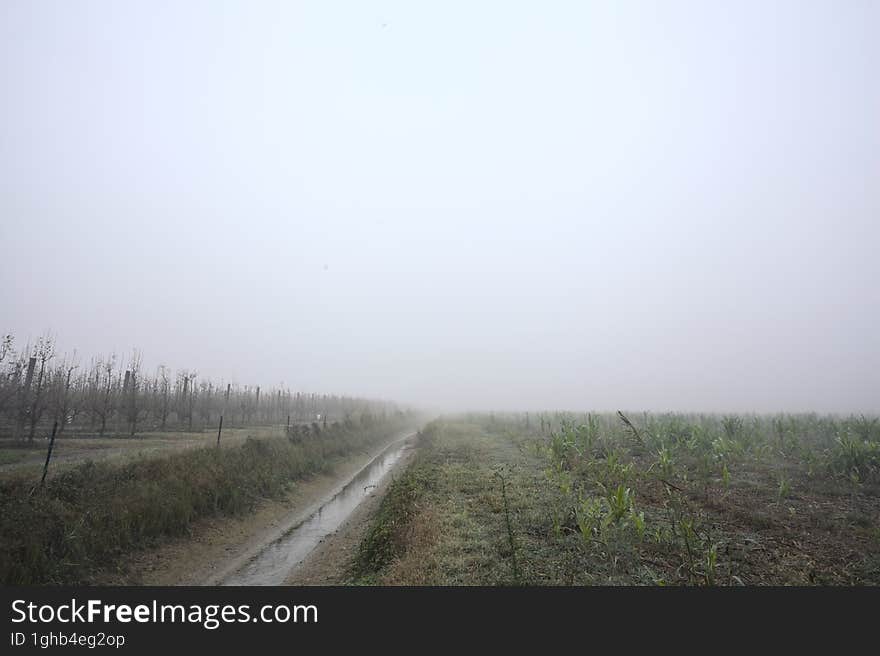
[613,471]
[589,518]
[867,429]
[589,432]
[784,489]
[808,457]
[620,503]
[556,520]
[711,561]
[665,463]
[637,520]
[562,478]
[733,425]
[855,482]
[854,453]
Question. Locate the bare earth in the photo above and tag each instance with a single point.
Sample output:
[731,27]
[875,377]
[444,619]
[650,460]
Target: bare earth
[217,547]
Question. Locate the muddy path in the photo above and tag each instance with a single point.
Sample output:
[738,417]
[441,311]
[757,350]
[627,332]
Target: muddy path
[291,554]
[328,563]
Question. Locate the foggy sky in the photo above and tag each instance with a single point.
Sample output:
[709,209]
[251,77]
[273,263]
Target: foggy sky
[661,206]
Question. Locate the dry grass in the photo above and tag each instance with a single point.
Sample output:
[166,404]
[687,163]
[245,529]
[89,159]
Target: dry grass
[416,564]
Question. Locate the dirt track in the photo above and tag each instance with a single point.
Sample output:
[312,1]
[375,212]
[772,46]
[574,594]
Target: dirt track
[328,562]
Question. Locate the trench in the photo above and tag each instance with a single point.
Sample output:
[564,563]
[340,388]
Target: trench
[275,561]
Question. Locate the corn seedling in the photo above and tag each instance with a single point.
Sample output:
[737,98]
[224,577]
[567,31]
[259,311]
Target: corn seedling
[620,503]
[686,526]
[637,519]
[665,462]
[711,561]
[733,425]
[589,518]
[784,489]
[855,482]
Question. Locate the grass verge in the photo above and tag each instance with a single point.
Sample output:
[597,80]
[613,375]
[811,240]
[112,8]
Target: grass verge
[388,537]
[88,515]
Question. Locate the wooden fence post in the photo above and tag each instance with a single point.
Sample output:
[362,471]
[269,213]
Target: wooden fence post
[225,401]
[49,453]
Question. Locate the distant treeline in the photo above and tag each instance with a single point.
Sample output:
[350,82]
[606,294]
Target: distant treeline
[110,395]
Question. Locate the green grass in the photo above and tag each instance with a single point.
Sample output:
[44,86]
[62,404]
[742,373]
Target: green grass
[89,514]
[451,489]
[386,539]
[11,456]
[73,449]
[633,499]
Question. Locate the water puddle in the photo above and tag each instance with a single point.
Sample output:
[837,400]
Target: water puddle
[273,564]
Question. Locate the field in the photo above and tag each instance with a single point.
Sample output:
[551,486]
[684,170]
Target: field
[486,499]
[26,460]
[632,500]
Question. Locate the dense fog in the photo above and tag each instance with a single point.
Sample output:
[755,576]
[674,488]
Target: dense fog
[499,205]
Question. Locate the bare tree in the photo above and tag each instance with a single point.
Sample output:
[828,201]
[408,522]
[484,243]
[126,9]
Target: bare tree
[33,392]
[132,402]
[185,397]
[206,402]
[61,383]
[43,352]
[163,381]
[102,397]
[9,378]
